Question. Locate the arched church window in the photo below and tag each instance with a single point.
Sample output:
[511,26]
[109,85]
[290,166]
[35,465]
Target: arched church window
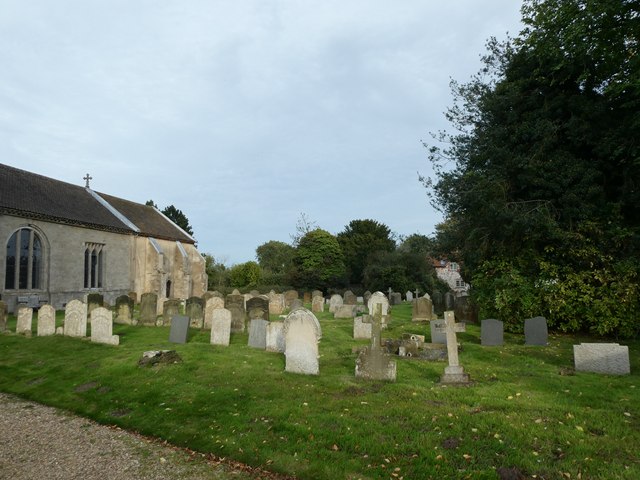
[93,265]
[23,269]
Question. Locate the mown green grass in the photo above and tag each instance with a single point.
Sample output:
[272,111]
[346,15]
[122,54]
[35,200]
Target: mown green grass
[237,402]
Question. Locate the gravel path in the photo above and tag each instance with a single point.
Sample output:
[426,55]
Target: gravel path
[42,442]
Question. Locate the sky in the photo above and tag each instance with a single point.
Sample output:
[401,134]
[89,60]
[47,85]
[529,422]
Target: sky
[244,114]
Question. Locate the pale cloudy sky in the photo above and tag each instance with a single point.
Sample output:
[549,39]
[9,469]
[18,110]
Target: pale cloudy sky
[241,113]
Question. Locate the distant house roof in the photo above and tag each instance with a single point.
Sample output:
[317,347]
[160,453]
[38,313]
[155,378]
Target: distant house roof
[26,194]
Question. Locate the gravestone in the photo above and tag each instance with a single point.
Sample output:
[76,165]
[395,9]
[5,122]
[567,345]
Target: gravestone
[194,309]
[306,297]
[75,319]
[465,310]
[396,298]
[46,321]
[438,335]
[606,358]
[422,310]
[235,304]
[359,300]
[289,297]
[316,293]
[179,329]
[220,326]
[276,303]
[275,337]
[258,333]
[535,331]
[409,296]
[133,296]
[211,294]
[317,304]
[302,333]
[454,372]
[210,304]
[449,301]
[438,302]
[345,311]
[258,308]
[3,316]
[24,321]
[148,309]
[124,310]
[297,303]
[349,298]
[170,308]
[372,362]
[254,293]
[102,327]
[378,298]
[491,332]
[235,292]
[362,328]
[94,300]
[334,302]
[366,296]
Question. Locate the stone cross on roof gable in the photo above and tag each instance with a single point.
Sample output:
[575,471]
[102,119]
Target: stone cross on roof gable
[453,373]
[87,178]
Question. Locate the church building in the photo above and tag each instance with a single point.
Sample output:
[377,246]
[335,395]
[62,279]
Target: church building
[62,241]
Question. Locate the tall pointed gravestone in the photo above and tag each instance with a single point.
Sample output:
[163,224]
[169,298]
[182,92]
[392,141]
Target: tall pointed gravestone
[372,362]
[302,333]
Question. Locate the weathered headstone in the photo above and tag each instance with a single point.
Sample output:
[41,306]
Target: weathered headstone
[236,292]
[275,337]
[366,296]
[454,372]
[316,293]
[306,296]
[258,308]
[102,327]
[375,298]
[46,321]
[220,326]
[465,310]
[94,300]
[179,329]
[335,302]
[254,293]
[437,333]
[345,311]
[535,331]
[349,298]
[296,303]
[24,321]
[396,298]
[124,310]
[258,333]
[302,333]
[276,303]
[607,358]
[133,296]
[422,310]
[170,308]
[289,297]
[372,362]
[491,332]
[75,319]
[438,302]
[3,316]
[148,309]
[211,294]
[409,296]
[317,304]
[210,304]
[449,301]
[194,309]
[362,328]
[235,304]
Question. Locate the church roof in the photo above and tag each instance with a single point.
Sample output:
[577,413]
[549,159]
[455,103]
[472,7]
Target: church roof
[30,195]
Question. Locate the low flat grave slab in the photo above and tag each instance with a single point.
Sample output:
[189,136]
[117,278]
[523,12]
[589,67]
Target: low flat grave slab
[606,358]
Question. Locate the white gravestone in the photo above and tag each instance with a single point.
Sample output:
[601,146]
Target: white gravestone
[220,327]
[302,333]
[362,328]
[75,319]
[102,327]
[275,337]
[211,304]
[607,358]
[335,302]
[378,297]
[24,321]
[46,321]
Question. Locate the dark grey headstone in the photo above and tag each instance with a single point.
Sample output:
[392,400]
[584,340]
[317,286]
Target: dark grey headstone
[438,302]
[179,329]
[535,331]
[235,304]
[491,332]
[258,333]
[449,301]
[94,300]
[438,336]
[148,308]
[258,307]
[170,308]
[349,298]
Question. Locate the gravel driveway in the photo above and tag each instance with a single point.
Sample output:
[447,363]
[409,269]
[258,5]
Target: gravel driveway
[39,442]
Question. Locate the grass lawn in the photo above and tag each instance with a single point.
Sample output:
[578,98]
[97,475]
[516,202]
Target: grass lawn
[523,412]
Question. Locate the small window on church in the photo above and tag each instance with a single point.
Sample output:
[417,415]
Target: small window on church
[23,269]
[93,265]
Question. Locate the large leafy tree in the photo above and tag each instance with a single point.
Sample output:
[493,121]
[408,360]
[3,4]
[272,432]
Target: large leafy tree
[318,261]
[541,203]
[275,256]
[359,240]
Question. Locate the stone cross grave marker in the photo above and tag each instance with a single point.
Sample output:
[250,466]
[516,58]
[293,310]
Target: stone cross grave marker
[46,321]
[454,372]
[372,362]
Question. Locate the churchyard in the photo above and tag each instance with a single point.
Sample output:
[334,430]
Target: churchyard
[525,412]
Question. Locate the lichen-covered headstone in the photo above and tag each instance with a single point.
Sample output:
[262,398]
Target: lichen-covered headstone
[289,297]
[194,309]
[378,298]
[362,328]
[46,321]
[102,327]
[302,333]
[148,309]
[335,302]
[94,300]
[317,304]
[210,304]
[3,316]
[124,310]
[422,310]
[349,298]
[276,303]
[345,311]
[373,362]
[235,304]
[24,321]
[170,307]
[258,308]
[75,319]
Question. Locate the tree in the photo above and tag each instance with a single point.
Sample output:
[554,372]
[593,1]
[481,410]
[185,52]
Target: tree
[275,256]
[179,218]
[417,243]
[217,272]
[318,261]
[359,240]
[304,225]
[541,203]
[248,274]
